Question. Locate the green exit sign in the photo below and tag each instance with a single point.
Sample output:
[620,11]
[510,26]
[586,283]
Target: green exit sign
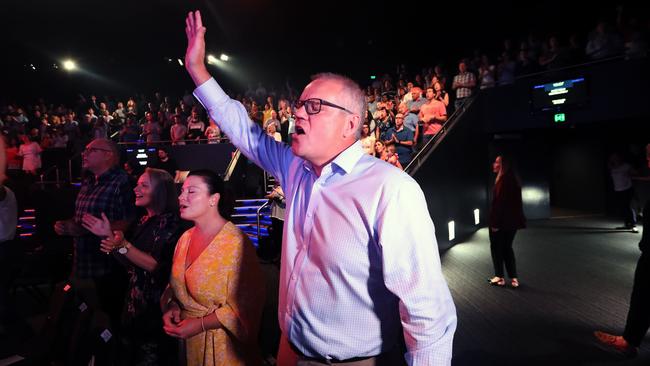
[373,77]
[559,118]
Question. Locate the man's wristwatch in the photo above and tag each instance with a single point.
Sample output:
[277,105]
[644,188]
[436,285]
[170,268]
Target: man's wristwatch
[124,248]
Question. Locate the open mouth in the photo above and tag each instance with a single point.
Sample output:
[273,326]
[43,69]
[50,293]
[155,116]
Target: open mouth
[299,131]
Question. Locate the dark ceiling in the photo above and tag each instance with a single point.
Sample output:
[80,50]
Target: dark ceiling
[270,40]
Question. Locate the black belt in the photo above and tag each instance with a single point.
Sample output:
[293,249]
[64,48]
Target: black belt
[326,360]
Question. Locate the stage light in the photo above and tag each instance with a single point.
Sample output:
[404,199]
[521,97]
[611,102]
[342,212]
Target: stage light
[32,66]
[212,60]
[477,216]
[224,57]
[180,62]
[69,65]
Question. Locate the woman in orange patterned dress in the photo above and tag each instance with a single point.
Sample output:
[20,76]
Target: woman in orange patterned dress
[216,292]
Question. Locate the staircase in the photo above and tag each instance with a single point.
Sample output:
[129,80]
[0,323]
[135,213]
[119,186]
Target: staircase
[26,226]
[245,217]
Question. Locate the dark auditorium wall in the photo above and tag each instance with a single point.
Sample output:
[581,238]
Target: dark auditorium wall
[453,180]
[572,164]
[618,91]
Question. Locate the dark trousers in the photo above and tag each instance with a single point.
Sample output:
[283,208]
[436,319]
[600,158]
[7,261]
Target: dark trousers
[638,316]
[624,207]
[501,248]
[111,290]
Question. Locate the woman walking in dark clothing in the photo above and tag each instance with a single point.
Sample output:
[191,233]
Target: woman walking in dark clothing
[506,217]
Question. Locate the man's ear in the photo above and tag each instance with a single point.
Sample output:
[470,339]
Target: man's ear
[352,125]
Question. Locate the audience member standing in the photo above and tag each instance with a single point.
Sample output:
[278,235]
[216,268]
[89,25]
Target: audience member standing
[463,84]
[621,173]
[433,115]
[105,192]
[178,131]
[146,252]
[30,151]
[506,217]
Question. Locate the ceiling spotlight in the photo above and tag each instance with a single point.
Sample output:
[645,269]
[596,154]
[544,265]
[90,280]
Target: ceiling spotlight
[224,57]
[212,59]
[69,65]
[180,62]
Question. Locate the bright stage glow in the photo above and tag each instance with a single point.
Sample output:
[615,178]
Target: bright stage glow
[69,65]
[224,57]
[212,60]
[180,62]
[477,216]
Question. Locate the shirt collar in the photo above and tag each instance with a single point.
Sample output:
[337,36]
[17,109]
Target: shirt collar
[346,160]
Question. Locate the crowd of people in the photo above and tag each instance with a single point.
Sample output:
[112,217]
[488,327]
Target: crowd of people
[422,99]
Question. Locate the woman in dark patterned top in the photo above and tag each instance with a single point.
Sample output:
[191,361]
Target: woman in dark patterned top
[147,254]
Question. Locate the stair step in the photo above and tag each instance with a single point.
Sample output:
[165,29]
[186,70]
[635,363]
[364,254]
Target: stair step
[252,200]
[253,208]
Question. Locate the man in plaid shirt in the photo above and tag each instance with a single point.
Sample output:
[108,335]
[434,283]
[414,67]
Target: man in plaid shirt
[105,192]
[463,84]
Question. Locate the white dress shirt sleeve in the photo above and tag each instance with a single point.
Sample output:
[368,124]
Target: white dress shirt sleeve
[412,271]
[233,120]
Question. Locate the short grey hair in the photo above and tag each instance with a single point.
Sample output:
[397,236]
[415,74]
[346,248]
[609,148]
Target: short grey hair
[353,96]
[112,146]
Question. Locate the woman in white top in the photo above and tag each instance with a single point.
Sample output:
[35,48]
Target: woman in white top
[272,131]
[30,151]
[213,133]
[367,140]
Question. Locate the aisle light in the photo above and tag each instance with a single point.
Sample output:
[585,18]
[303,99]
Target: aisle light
[451,228]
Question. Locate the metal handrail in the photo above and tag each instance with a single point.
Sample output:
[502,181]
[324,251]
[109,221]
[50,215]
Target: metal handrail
[231,165]
[426,150]
[259,211]
[47,171]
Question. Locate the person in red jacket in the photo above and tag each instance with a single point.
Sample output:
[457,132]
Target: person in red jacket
[506,217]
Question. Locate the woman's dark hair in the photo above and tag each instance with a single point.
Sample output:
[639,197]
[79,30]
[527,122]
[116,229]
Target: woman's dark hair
[507,164]
[163,196]
[216,185]
[509,167]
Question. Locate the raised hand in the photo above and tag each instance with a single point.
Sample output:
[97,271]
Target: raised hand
[195,53]
[97,226]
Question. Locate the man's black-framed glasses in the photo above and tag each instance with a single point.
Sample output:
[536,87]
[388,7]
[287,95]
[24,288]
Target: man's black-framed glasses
[313,105]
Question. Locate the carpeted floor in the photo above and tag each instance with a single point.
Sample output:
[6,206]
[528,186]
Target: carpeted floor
[576,276]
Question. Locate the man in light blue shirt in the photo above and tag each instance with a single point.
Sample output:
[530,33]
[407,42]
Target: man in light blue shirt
[360,265]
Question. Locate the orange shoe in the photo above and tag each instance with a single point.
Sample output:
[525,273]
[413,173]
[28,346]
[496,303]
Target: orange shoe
[616,343]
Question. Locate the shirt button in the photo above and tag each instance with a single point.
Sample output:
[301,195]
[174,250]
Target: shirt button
[293,277]
[309,214]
